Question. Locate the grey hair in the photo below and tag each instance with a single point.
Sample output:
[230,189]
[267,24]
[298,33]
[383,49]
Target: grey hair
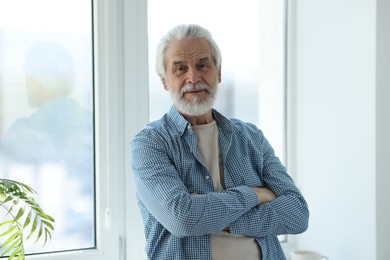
[185,31]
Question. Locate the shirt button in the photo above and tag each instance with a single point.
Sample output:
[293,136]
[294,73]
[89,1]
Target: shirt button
[207,177]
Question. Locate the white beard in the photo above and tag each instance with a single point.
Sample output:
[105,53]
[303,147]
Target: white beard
[195,107]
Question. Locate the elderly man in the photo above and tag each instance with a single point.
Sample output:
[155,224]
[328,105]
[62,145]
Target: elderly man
[208,187]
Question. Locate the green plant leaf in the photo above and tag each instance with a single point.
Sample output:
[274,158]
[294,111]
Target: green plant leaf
[15,236]
[34,226]
[37,210]
[47,235]
[48,224]
[15,198]
[31,202]
[15,252]
[47,217]
[20,213]
[39,234]
[20,256]
[6,222]
[9,230]
[7,199]
[28,219]
[27,188]
[16,245]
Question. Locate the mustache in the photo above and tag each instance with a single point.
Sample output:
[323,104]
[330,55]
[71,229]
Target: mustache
[194,87]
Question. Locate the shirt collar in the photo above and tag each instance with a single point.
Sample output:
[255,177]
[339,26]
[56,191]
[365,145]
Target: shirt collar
[181,124]
[177,121]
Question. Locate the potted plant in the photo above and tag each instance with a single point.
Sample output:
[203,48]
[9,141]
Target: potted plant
[24,219]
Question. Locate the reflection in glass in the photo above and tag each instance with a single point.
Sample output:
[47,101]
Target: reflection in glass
[46,120]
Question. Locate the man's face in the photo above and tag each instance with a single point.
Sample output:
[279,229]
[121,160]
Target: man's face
[191,76]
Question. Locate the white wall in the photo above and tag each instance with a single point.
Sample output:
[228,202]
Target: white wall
[339,125]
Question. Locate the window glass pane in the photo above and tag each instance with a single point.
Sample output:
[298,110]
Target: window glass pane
[251,37]
[46,112]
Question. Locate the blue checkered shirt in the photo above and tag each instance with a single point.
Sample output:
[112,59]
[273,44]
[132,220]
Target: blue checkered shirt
[168,170]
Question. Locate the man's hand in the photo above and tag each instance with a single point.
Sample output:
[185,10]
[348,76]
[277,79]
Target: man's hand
[263,194]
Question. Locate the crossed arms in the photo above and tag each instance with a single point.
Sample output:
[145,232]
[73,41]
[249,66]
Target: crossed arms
[274,209]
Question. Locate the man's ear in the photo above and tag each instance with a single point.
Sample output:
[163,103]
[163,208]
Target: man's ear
[164,82]
[219,75]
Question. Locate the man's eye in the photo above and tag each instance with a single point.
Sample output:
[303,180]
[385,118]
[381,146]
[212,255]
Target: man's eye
[202,66]
[180,69]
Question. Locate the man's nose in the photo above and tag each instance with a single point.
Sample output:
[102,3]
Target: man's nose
[193,76]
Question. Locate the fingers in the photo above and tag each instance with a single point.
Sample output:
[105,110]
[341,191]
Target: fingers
[264,194]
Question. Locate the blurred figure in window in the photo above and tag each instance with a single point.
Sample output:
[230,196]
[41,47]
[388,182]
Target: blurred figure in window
[60,130]
[59,133]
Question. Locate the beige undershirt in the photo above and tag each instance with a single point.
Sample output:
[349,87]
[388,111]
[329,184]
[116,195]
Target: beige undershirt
[224,246]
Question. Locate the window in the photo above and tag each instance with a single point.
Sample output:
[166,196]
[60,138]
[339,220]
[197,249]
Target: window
[46,113]
[111,206]
[251,36]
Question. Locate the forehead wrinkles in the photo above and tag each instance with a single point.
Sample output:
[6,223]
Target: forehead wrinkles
[188,51]
[189,56]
